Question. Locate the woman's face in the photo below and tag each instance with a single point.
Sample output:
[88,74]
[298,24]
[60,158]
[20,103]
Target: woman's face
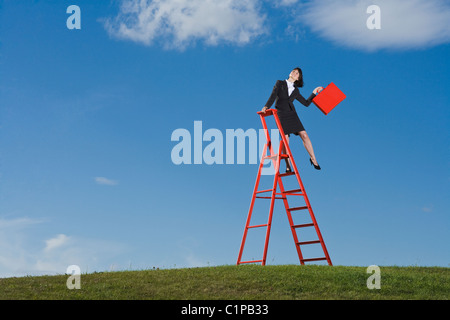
[295,74]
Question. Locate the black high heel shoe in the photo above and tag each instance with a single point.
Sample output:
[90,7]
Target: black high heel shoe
[315,167]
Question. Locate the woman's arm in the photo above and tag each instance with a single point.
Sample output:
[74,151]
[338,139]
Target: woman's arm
[305,102]
[273,96]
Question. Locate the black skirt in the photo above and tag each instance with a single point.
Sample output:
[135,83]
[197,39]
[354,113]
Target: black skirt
[290,122]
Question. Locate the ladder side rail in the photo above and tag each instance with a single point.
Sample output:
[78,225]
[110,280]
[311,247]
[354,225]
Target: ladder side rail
[266,133]
[319,234]
[291,221]
[297,174]
[267,147]
[252,203]
[276,165]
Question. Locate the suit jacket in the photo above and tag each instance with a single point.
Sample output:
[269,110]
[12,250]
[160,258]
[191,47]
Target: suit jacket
[285,102]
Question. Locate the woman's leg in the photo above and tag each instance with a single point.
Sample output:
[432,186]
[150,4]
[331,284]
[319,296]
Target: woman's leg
[288,167]
[308,146]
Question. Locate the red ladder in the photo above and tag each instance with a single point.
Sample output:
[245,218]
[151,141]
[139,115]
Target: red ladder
[276,158]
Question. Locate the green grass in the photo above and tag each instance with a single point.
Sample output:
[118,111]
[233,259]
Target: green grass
[246,282]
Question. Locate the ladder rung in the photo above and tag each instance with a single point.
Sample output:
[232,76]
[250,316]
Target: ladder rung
[293,191]
[260,197]
[298,208]
[253,261]
[258,226]
[290,194]
[287,174]
[283,156]
[308,242]
[261,191]
[303,225]
[314,259]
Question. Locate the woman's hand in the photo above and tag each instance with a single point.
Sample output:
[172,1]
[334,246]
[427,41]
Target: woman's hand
[264,109]
[317,90]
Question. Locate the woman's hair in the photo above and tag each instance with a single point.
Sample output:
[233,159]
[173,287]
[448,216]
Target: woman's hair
[299,82]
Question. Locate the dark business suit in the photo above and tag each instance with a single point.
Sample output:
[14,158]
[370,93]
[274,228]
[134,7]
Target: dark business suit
[285,106]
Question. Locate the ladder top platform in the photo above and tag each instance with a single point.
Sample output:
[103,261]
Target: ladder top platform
[268,112]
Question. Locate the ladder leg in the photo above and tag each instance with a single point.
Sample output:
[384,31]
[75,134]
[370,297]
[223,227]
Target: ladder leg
[249,216]
[319,234]
[272,203]
[291,223]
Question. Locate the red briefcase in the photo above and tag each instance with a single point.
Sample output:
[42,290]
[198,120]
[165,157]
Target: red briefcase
[328,98]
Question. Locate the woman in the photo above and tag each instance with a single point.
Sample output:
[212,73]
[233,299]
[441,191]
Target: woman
[285,92]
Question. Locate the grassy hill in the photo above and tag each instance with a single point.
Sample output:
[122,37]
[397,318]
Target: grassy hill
[246,282]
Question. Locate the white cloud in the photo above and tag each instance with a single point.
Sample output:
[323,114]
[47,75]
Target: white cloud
[287,2]
[17,224]
[177,24]
[89,254]
[193,261]
[180,23]
[23,253]
[55,242]
[13,242]
[405,24]
[106,181]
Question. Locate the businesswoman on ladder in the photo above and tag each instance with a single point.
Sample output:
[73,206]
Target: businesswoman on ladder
[285,92]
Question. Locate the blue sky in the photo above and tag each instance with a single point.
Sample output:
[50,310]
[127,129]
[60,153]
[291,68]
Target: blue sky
[86,116]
